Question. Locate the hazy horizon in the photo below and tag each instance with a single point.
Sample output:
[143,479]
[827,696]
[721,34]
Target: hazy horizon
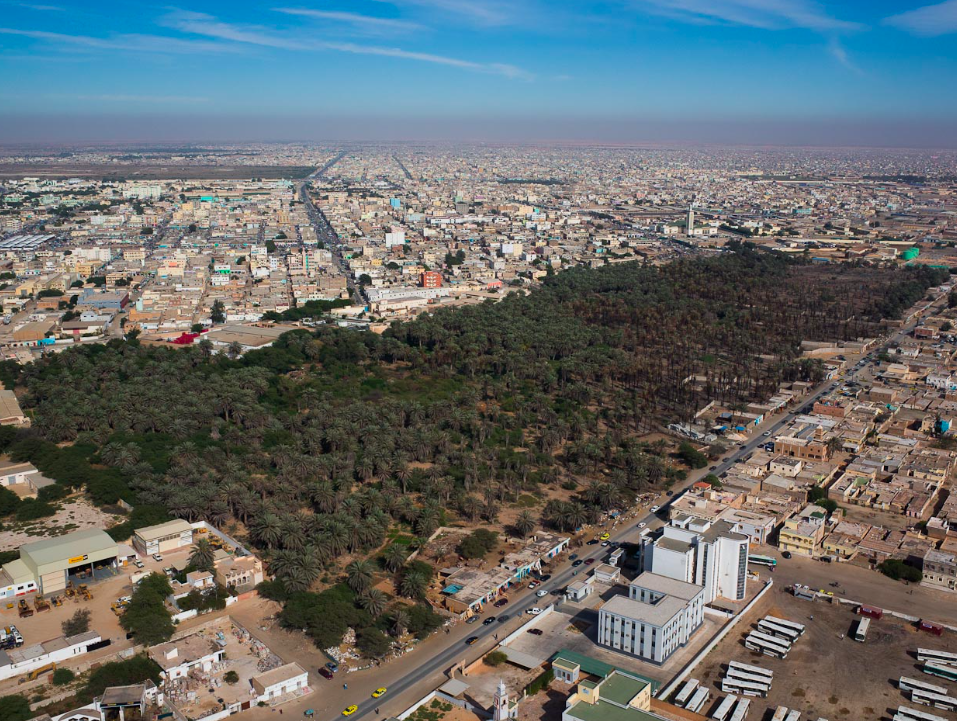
[102,129]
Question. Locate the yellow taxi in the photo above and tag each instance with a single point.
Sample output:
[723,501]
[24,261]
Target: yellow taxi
[349,710]
[379,692]
[604,537]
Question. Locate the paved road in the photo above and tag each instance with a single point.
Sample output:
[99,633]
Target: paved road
[327,235]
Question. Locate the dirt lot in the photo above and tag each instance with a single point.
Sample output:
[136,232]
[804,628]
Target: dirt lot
[74,515]
[826,675]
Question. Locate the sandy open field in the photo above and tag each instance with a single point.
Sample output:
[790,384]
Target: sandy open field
[74,515]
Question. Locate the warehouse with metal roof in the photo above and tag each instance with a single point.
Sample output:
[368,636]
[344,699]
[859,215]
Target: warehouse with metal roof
[81,554]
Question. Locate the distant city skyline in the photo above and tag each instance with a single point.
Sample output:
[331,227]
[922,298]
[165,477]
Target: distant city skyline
[792,72]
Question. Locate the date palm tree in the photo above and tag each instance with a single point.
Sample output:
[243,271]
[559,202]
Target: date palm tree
[394,557]
[414,585]
[525,523]
[359,576]
[374,602]
[202,555]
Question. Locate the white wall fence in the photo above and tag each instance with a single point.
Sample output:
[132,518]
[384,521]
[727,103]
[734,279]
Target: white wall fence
[39,661]
[719,637]
[444,698]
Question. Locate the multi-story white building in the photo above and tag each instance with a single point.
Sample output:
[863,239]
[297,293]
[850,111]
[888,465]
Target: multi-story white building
[706,553]
[658,616]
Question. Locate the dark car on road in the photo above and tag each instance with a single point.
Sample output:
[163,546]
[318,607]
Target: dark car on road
[471,640]
[546,577]
[503,618]
[785,554]
[332,666]
[535,631]
[577,563]
[325,673]
[589,561]
[488,621]
[500,602]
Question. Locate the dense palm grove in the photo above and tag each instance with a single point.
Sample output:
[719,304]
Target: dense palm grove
[330,442]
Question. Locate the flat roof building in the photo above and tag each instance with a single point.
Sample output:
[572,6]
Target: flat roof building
[51,560]
[163,537]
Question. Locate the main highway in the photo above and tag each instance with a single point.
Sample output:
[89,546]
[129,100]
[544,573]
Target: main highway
[324,231]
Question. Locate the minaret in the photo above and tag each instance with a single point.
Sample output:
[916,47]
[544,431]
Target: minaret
[690,230]
[501,703]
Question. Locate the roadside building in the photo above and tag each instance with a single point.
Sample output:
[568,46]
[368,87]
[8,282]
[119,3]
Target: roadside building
[51,561]
[288,679]
[658,616]
[163,537]
[940,570]
[711,555]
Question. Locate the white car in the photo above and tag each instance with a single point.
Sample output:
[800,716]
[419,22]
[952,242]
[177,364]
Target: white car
[767,433]
[138,563]
[157,557]
[655,509]
[542,593]
[642,524]
[534,611]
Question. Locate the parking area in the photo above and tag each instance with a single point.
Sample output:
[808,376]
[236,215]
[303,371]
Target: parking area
[574,628]
[827,674]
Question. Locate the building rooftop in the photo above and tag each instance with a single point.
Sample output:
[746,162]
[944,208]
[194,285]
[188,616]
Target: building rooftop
[621,688]
[657,614]
[667,586]
[160,530]
[71,545]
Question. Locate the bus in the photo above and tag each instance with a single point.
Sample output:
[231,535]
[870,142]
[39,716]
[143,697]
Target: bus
[763,560]
[774,629]
[912,714]
[744,688]
[768,645]
[939,669]
[685,693]
[741,710]
[941,657]
[800,628]
[860,633]
[937,700]
[699,699]
[724,708]
[750,677]
[780,713]
[912,684]
[748,668]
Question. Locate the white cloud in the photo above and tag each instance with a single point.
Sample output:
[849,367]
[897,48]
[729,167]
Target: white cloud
[929,20]
[129,42]
[763,14]
[366,22]
[201,24]
[840,54]
[480,12]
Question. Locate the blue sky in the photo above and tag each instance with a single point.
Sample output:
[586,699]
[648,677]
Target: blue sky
[654,60]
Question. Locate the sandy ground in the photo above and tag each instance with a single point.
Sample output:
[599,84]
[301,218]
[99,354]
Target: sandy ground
[74,515]
[826,675]
[861,584]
